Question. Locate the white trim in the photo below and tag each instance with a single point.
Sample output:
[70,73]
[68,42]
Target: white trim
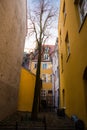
[82,9]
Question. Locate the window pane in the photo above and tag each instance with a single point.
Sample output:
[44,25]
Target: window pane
[82,9]
[43,77]
[44,66]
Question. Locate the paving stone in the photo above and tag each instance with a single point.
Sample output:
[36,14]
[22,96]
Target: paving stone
[46,121]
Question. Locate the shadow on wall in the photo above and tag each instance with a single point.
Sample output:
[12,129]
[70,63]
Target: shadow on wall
[85,92]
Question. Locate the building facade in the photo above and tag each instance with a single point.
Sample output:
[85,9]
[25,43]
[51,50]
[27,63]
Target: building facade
[12,39]
[72,57]
[55,76]
[46,96]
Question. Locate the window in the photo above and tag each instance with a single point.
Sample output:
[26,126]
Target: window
[43,94]
[46,49]
[64,12]
[67,46]
[82,4]
[49,78]
[61,62]
[44,77]
[49,91]
[60,37]
[35,65]
[44,65]
[46,56]
[56,73]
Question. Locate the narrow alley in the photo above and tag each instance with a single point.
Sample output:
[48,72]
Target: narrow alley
[43,65]
[45,121]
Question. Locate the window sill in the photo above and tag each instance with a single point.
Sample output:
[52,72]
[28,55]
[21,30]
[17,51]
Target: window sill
[82,23]
[67,58]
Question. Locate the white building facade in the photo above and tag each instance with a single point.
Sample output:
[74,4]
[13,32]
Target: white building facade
[55,76]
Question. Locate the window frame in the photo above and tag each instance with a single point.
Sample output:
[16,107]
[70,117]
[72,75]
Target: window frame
[82,20]
[61,62]
[82,9]
[47,49]
[35,65]
[49,78]
[44,65]
[46,56]
[44,78]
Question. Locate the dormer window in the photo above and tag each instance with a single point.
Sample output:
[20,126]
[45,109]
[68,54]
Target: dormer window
[46,56]
[46,49]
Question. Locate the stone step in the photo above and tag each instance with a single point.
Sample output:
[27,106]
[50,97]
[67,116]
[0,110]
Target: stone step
[37,128]
[53,122]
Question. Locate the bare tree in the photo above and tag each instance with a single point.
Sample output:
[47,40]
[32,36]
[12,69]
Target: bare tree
[41,20]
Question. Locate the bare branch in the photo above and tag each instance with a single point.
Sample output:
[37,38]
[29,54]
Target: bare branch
[41,20]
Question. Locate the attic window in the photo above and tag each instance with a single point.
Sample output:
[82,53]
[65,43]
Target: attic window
[85,74]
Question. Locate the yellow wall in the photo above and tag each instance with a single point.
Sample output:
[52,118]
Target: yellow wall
[71,79]
[48,85]
[26,90]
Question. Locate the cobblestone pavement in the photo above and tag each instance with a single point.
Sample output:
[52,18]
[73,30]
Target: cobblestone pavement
[46,121]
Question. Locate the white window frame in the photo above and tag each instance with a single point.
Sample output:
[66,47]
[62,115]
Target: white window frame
[44,65]
[46,56]
[44,78]
[82,9]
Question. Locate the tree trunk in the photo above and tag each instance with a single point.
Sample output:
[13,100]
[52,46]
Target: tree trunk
[35,107]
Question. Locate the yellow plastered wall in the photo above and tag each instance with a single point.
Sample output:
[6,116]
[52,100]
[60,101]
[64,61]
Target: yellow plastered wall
[26,90]
[47,86]
[71,79]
